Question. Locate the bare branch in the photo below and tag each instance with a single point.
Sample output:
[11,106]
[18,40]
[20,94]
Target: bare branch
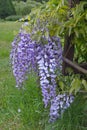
[74,65]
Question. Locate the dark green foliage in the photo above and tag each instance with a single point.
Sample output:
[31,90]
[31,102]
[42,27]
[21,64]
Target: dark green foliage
[24,8]
[41,0]
[32,0]
[20,0]
[13,17]
[6,8]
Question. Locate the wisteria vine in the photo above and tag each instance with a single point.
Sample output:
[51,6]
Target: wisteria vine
[22,57]
[46,60]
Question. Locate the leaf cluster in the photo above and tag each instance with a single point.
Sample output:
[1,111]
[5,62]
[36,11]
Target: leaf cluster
[71,84]
[6,8]
[56,18]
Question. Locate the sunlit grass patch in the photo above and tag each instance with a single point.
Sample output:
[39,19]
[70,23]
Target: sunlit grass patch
[8,30]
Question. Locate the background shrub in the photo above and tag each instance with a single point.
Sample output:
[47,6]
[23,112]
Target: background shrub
[6,8]
[24,8]
[13,17]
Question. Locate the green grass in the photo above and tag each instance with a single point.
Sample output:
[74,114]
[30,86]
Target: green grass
[33,116]
[12,99]
[8,30]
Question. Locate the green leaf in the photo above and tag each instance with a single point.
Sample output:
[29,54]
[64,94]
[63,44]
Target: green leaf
[70,29]
[75,85]
[61,84]
[84,82]
[76,32]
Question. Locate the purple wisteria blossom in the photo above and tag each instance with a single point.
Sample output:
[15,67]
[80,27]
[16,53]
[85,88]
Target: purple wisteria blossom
[22,57]
[58,105]
[46,60]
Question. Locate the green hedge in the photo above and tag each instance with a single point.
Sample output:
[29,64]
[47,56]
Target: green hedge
[13,18]
[6,8]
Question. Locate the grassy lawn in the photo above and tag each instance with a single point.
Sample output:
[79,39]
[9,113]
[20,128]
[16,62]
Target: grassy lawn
[8,116]
[23,109]
[11,99]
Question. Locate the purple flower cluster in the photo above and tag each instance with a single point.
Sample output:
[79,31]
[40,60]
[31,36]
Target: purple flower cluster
[45,59]
[48,56]
[58,105]
[22,57]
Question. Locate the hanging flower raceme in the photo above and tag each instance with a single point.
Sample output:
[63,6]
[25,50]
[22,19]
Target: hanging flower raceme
[59,104]
[45,59]
[22,57]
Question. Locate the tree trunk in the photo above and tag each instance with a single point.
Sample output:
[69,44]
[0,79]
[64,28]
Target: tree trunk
[72,3]
[68,52]
[69,46]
